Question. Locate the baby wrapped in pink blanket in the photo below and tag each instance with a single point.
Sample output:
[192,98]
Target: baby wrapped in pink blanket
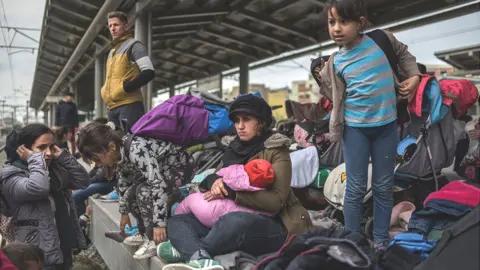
[254,176]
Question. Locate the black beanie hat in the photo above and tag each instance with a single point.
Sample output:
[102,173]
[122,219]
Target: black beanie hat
[252,105]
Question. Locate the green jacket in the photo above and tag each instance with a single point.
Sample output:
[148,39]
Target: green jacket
[279,198]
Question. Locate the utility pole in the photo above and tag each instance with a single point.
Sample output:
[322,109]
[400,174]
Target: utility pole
[14,107]
[26,109]
[19,30]
[14,113]
[3,108]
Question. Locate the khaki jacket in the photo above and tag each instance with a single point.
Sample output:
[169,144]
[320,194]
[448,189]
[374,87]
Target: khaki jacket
[334,88]
[119,70]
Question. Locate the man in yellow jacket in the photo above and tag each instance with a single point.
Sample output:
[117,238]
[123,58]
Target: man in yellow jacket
[128,69]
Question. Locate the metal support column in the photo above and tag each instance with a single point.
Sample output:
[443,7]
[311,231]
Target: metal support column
[141,34]
[27,120]
[73,89]
[172,91]
[49,114]
[52,114]
[149,93]
[243,77]
[45,118]
[104,76]
[220,86]
[98,85]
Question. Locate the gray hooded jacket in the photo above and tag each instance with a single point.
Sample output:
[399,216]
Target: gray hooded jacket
[28,194]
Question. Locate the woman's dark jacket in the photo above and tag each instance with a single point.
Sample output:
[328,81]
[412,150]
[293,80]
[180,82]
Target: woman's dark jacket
[41,203]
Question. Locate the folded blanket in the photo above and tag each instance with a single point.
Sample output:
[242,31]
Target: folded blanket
[457,192]
[414,243]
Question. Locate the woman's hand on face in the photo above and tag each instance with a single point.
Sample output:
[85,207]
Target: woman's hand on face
[124,220]
[57,151]
[159,235]
[23,152]
[409,87]
[218,188]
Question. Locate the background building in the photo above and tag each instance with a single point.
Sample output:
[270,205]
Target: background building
[305,91]
[273,97]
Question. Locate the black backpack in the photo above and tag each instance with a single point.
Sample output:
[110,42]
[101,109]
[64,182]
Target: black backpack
[459,246]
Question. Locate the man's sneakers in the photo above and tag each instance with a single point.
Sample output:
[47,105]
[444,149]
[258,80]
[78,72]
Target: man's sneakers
[110,197]
[135,240]
[203,264]
[147,249]
[168,253]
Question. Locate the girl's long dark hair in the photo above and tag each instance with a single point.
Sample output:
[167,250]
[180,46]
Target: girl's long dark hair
[94,139]
[347,9]
[25,136]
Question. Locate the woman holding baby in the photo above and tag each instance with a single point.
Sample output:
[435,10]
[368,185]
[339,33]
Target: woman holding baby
[275,211]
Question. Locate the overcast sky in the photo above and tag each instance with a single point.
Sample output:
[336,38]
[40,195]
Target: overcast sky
[18,73]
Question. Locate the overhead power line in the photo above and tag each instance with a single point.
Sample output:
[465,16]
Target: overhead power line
[18,47]
[6,38]
[445,34]
[9,47]
[20,28]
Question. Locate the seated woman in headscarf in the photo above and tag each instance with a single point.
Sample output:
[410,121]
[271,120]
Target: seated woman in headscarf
[192,245]
[36,182]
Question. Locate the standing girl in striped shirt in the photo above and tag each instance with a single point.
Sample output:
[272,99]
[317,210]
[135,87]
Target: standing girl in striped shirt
[362,86]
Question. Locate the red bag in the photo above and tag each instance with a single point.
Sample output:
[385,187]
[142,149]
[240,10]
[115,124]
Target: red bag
[326,104]
[459,94]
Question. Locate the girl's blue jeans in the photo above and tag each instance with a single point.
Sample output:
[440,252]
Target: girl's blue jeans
[361,143]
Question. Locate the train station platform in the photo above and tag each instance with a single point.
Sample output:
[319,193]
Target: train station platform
[105,217]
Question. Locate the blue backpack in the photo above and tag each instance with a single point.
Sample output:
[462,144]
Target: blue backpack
[218,121]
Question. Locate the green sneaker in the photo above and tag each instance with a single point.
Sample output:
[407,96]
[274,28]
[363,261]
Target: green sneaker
[202,264]
[168,253]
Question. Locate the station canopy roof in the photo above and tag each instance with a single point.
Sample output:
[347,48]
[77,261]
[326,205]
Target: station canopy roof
[464,58]
[192,39]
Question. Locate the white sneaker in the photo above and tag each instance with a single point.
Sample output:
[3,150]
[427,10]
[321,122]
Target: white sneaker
[135,240]
[147,250]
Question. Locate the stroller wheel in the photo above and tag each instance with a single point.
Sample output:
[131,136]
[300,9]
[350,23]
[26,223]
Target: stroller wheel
[369,228]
